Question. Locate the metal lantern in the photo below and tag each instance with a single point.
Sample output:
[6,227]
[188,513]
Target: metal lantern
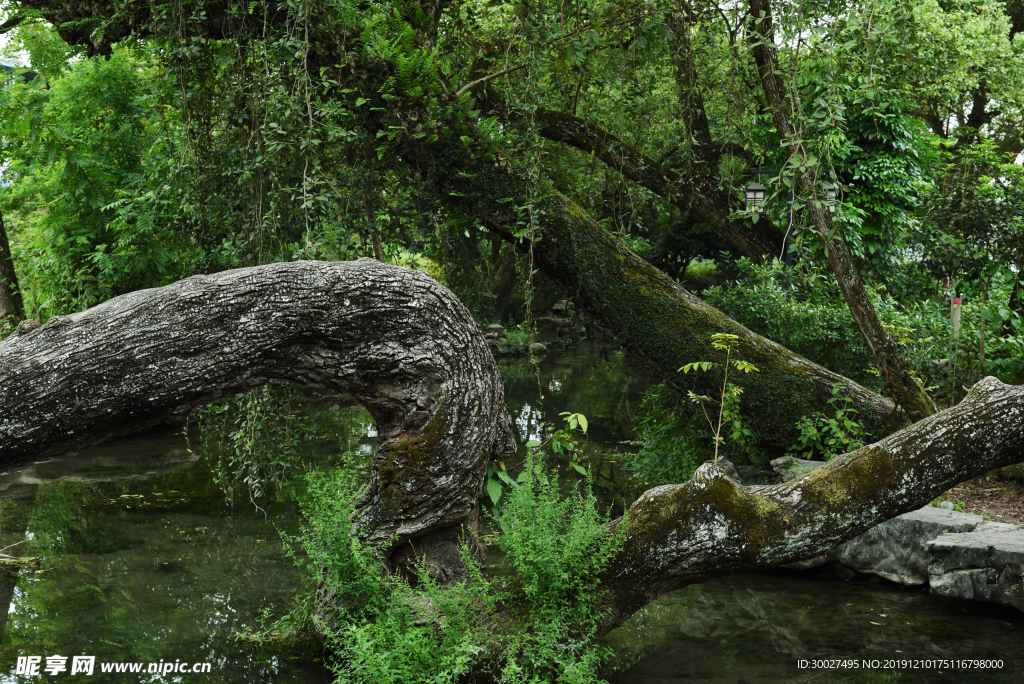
[756,194]
[830,192]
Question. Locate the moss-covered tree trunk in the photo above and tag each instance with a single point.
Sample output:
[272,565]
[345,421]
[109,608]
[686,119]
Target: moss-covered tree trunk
[683,534]
[655,318]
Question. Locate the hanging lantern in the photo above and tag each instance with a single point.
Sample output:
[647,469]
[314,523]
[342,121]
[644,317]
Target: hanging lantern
[756,194]
[830,193]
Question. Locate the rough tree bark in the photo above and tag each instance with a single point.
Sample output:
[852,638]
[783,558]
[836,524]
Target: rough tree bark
[405,347]
[711,526]
[10,294]
[892,365]
[391,337]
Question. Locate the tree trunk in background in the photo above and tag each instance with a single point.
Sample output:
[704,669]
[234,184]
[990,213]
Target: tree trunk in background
[892,365]
[1016,303]
[393,338]
[409,351]
[10,294]
[652,316]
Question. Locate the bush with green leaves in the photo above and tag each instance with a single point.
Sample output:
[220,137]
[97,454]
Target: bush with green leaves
[557,547]
[383,630]
[386,631]
[823,436]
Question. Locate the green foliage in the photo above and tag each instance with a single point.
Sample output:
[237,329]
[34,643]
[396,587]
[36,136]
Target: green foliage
[72,148]
[728,401]
[557,547]
[386,631]
[672,443]
[254,439]
[824,436]
[382,629]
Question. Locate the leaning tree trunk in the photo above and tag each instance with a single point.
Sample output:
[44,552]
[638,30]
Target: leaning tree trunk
[406,348]
[711,526]
[652,316]
[892,364]
[392,337]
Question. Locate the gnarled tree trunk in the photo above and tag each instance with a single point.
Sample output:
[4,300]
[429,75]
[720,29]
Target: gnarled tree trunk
[393,338]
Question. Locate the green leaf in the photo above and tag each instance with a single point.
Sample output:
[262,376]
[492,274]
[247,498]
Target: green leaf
[494,491]
[580,469]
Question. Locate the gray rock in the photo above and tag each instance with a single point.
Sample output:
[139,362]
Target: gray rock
[495,329]
[792,468]
[499,346]
[947,505]
[897,549]
[984,564]
[538,348]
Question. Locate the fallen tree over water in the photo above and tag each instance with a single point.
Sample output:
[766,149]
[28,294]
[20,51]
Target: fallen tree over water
[408,350]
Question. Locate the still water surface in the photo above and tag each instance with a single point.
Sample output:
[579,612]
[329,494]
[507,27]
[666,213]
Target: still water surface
[142,560]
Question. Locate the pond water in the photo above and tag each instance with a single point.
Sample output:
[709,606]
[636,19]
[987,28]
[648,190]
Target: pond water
[133,556]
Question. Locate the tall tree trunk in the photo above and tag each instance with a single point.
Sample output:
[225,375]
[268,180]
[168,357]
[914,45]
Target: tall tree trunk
[407,349]
[10,294]
[891,363]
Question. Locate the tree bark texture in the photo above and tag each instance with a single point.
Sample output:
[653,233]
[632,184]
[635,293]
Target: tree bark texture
[682,534]
[892,365]
[391,337]
[10,294]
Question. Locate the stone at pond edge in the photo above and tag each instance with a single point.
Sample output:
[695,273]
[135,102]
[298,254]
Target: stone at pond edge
[538,348]
[984,564]
[792,468]
[958,555]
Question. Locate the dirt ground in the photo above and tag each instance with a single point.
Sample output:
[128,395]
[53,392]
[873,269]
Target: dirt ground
[998,499]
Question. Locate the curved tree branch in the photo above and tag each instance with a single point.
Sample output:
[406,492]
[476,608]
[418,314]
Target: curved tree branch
[704,200]
[392,337]
[484,79]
